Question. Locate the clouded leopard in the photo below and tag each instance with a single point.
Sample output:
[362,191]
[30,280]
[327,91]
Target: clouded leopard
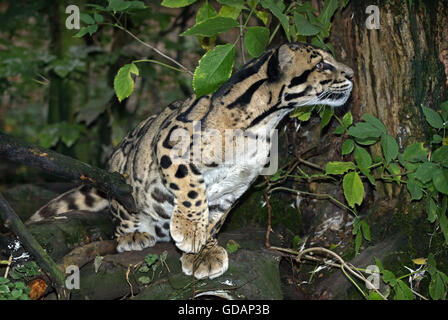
[184,193]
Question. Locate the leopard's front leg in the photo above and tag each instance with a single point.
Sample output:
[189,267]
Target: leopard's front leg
[189,220]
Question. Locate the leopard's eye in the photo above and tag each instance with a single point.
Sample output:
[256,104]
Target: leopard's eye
[321,66]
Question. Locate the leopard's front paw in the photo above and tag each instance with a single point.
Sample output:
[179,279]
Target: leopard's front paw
[189,236]
[211,262]
[135,241]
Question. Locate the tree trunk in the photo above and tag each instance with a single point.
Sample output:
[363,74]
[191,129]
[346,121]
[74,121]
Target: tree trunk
[398,67]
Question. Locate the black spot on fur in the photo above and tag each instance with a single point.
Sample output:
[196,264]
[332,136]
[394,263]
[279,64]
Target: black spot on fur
[71,204]
[160,196]
[194,169]
[211,165]
[198,203]
[273,71]
[167,143]
[181,172]
[300,79]
[292,96]
[246,97]
[159,210]
[187,204]
[174,186]
[165,162]
[159,232]
[46,212]
[192,194]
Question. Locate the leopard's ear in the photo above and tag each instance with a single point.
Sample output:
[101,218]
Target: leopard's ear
[285,57]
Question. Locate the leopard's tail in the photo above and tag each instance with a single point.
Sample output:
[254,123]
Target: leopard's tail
[80,198]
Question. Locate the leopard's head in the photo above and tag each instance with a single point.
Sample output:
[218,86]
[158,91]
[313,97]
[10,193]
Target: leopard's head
[312,76]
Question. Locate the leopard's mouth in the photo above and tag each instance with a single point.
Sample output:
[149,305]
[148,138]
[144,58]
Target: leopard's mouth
[334,97]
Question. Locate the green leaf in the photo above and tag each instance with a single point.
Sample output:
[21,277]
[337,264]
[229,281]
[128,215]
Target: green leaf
[118,5]
[364,130]
[205,12]
[326,115]
[302,113]
[277,11]
[92,29]
[415,189]
[353,189]
[403,292]
[255,40]
[98,18]
[390,147]
[232,246]
[389,277]
[441,156]
[358,242]
[362,157]
[49,136]
[436,139]
[151,258]
[277,175]
[431,209]
[415,153]
[137,5]
[443,221]
[233,3]
[215,68]
[348,146]
[365,230]
[432,117]
[347,119]
[337,167]
[211,26]
[437,287]
[440,179]
[330,7]
[373,295]
[177,3]
[304,27]
[339,130]
[424,171]
[86,18]
[366,172]
[374,122]
[444,107]
[123,82]
[229,12]
[144,280]
[394,169]
[82,32]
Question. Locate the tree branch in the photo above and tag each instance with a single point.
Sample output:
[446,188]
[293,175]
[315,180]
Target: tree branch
[113,184]
[13,222]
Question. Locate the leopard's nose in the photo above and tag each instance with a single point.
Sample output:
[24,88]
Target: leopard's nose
[350,77]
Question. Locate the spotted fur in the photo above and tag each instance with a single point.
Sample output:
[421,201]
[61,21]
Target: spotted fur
[187,200]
